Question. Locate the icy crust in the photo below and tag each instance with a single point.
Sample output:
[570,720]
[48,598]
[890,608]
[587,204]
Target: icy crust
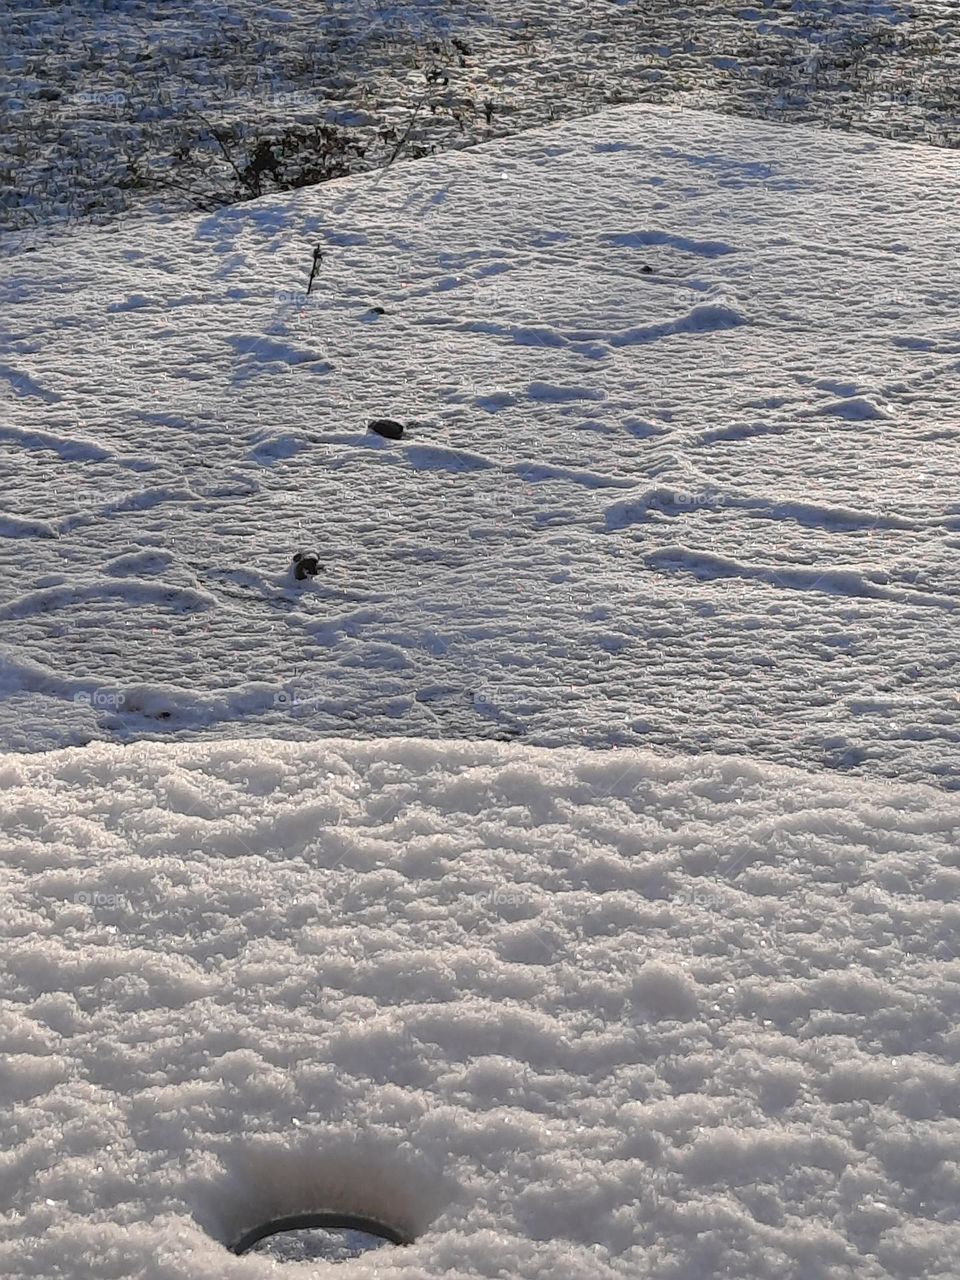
[681,405]
[556,1013]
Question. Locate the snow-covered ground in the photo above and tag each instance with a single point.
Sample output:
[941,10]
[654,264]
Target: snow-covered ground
[112,106]
[681,470]
[653,987]
[556,1014]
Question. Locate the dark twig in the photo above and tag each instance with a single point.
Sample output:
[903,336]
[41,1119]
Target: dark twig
[406,132]
[317,259]
[216,134]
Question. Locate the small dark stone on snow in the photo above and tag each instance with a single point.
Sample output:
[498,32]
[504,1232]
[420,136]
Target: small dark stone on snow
[387,428]
[646,270]
[306,564]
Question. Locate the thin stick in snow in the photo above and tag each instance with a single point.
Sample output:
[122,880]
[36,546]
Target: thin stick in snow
[317,259]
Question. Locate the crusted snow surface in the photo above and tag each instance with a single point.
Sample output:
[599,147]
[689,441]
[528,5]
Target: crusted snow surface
[110,109]
[567,1013]
[682,417]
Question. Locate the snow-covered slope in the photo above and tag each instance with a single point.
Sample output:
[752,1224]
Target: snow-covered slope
[681,469]
[681,408]
[558,1013]
[111,108]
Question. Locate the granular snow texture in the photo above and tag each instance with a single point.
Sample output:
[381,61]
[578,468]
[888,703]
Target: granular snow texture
[557,1013]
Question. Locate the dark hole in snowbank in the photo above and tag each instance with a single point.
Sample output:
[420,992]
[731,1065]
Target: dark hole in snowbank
[308,1237]
[265,1188]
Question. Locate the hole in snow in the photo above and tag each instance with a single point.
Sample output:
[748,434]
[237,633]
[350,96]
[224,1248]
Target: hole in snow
[326,1195]
[311,1237]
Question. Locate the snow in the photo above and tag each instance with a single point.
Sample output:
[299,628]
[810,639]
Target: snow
[107,110]
[587,1013]
[707,506]
[567,874]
